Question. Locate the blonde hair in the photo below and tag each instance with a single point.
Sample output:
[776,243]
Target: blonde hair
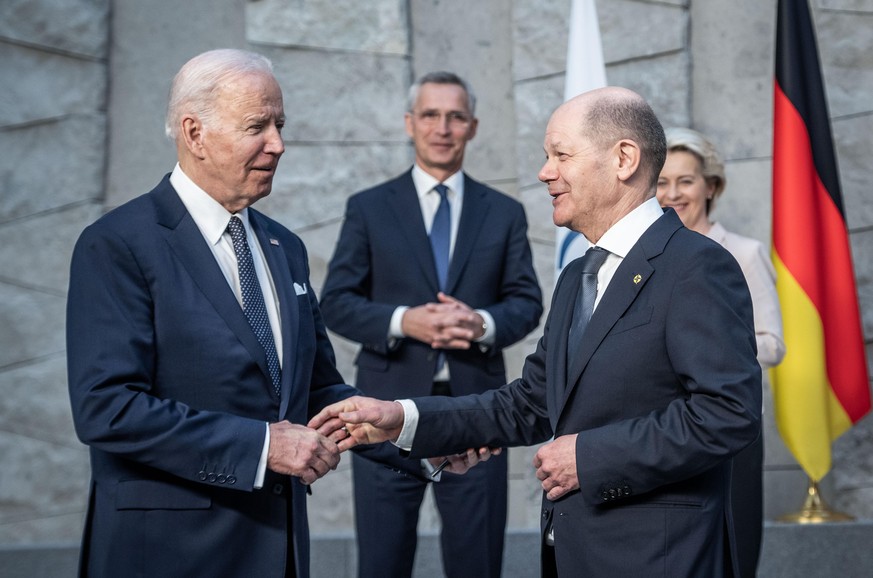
[711,163]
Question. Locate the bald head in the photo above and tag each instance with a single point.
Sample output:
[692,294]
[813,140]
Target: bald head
[607,115]
[604,152]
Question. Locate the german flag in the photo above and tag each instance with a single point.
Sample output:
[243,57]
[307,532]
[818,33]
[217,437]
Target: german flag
[821,388]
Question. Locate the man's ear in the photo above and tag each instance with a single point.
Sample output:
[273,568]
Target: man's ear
[627,159]
[407,123]
[192,134]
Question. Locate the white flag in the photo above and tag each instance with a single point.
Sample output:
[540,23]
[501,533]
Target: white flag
[585,71]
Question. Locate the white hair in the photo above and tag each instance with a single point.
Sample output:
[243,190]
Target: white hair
[197,82]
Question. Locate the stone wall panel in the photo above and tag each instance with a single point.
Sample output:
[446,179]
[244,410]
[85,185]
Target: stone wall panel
[732,48]
[314,180]
[76,26]
[68,169]
[539,47]
[37,505]
[340,97]
[845,45]
[50,237]
[745,207]
[378,26]
[662,81]
[862,258]
[852,147]
[35,403]
[481,55]
[632,29]
[56,85]
[33,324]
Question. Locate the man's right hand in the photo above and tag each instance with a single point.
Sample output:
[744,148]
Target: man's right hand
[365,421]
[300,451]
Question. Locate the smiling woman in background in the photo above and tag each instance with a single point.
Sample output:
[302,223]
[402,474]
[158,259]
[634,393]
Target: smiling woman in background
[690,182]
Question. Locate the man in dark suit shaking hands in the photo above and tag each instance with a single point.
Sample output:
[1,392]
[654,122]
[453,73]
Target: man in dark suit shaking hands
[433,276]
[645,400]
[196,351]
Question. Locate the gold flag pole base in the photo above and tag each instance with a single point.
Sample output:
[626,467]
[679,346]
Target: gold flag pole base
[814,510]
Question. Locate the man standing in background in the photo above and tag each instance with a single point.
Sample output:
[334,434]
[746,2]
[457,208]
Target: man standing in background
[433,276]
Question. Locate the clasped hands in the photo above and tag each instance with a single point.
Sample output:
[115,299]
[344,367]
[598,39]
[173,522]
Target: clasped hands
[447,324]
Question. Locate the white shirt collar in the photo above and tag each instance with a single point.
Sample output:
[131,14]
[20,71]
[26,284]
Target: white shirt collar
[208,214]
[424,183]
[623,235]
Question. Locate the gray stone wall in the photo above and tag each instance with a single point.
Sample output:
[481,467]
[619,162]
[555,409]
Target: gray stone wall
[81,130]
[52,158]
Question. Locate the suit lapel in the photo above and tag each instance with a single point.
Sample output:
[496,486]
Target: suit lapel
[187,243]
[404,206]
[473,214]
[628,281]
[289,311]
[560,318]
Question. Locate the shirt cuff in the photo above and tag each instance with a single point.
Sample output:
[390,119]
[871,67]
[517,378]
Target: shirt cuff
[410,424]
[395,329]
[490,328]
[262,464]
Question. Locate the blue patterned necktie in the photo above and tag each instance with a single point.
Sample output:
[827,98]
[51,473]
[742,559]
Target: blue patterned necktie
[440,241]
[592,260]
[440,235]
[252,298]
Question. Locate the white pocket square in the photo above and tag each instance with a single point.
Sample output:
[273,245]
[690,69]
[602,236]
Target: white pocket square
[300,289]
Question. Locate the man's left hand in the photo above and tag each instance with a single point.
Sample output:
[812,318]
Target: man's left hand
[555,463]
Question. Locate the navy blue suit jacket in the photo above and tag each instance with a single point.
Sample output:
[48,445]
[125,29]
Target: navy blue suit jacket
[170,389]
[663,388]
[383,259]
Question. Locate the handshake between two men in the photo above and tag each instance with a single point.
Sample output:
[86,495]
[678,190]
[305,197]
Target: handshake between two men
[363,420]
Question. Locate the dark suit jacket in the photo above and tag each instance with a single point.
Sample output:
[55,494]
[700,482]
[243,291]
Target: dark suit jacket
[383,259]
[170,389]
[663,389]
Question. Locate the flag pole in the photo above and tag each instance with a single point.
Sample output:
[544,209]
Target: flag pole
[815,510]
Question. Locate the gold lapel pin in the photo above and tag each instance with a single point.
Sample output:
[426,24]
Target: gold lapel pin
[637,278]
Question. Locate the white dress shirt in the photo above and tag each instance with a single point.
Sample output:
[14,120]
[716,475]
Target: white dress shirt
[212,220]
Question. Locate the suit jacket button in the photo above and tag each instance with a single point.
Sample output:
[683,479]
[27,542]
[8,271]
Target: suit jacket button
[222,478]
[211,478]
[604,495]
[612,493]
[202,475]
[545,514]
[278,489]
[231,479]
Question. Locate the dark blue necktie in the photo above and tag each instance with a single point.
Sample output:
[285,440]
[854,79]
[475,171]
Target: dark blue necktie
[440,240]
[591,263]
[252,298]
[440,235]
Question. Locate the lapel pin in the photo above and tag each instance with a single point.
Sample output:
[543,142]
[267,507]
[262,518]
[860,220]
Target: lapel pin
[274,242]
[637,278]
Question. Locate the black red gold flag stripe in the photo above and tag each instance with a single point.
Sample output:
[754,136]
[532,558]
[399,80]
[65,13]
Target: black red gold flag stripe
[821,388]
